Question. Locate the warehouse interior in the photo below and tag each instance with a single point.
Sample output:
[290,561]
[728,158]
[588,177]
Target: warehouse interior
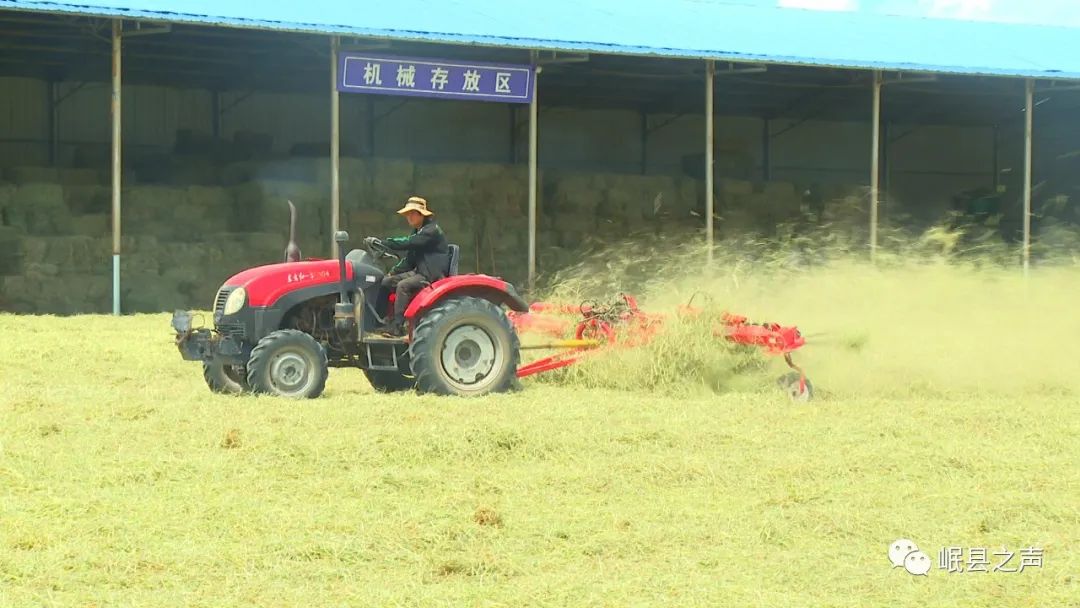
[221,126]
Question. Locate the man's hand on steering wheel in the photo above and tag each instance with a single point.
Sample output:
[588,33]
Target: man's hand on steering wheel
[378,248]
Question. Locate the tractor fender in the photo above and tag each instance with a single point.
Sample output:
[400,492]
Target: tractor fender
[476,285]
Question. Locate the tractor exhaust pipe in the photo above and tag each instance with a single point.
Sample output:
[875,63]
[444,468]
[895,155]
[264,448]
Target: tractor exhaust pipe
[344,317]
[292,251]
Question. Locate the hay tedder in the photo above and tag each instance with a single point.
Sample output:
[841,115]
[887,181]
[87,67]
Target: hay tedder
[598,328]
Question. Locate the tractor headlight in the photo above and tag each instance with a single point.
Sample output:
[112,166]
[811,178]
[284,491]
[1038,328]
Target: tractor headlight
[235,301]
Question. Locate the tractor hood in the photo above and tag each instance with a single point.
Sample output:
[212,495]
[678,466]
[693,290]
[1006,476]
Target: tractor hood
[265,285]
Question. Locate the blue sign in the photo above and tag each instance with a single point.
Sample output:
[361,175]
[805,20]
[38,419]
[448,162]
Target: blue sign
[419,77]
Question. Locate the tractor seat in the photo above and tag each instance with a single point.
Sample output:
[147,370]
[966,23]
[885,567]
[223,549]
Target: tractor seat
[455,259]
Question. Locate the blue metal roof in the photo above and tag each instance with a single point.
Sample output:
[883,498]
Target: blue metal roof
[873,34]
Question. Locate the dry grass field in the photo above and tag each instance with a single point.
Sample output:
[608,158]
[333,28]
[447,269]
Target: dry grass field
[946,413]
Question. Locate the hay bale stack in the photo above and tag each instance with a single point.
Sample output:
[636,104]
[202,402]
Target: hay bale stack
[553,259]
[7,194]
[70,254]
[368,223]
[40,271]
[579,194]
[87,199]
[262,206]
[94,156]
[249,144]
[734,187]
[267,246]
[61,294]
[192,170]
[152,211]
[149,295]
[79,177]
[502,190]
[291,170]
[214,206]
[393,181]
[448,187]
[33,175]
[39,208]
[357,185]
[851,211]
[234,174]
[781,200]
[34,249]
[11,251]
[74,254]
[649,198]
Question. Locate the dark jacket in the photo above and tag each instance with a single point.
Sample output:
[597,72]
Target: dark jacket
[426,251]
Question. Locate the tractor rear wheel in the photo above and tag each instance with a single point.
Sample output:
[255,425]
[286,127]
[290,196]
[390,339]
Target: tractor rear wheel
[389,382]
[225,379]
[288,363]
[464,346]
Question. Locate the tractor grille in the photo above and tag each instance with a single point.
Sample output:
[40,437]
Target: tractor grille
[234,329]
[219,301]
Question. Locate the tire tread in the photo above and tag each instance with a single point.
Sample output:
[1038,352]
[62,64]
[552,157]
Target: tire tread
[427,380]
[256,362]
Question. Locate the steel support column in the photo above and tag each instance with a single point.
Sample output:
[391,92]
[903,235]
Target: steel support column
[117,119]
[710,70]
[335,147]
[875,169]
[1029,110]
[532,174]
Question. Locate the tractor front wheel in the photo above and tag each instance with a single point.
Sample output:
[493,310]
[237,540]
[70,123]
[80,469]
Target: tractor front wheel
[225,379]
[464,346]
[288,363]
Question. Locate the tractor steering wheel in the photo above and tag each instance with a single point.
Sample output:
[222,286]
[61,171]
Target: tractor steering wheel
[379,249]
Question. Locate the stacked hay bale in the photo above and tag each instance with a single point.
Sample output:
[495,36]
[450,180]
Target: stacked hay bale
[586,209]
[11,249]
[182,241]
[263,206]
[52,274]
[370,193]
[38,208]
[755,208]
[50,259]
[500,229]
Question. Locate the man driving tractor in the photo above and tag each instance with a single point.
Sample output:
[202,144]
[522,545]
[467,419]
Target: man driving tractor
[427,256]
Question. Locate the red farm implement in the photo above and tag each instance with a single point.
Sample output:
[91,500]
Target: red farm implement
[596,329]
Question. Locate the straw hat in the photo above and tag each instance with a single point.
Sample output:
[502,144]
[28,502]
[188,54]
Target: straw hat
[415,203]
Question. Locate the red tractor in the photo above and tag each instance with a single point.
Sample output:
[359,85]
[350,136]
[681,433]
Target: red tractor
[279,328]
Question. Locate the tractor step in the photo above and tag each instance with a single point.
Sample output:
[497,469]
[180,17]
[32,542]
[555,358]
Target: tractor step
[373,338]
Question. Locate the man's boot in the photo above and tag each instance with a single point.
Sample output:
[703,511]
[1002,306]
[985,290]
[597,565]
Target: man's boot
[394,329]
